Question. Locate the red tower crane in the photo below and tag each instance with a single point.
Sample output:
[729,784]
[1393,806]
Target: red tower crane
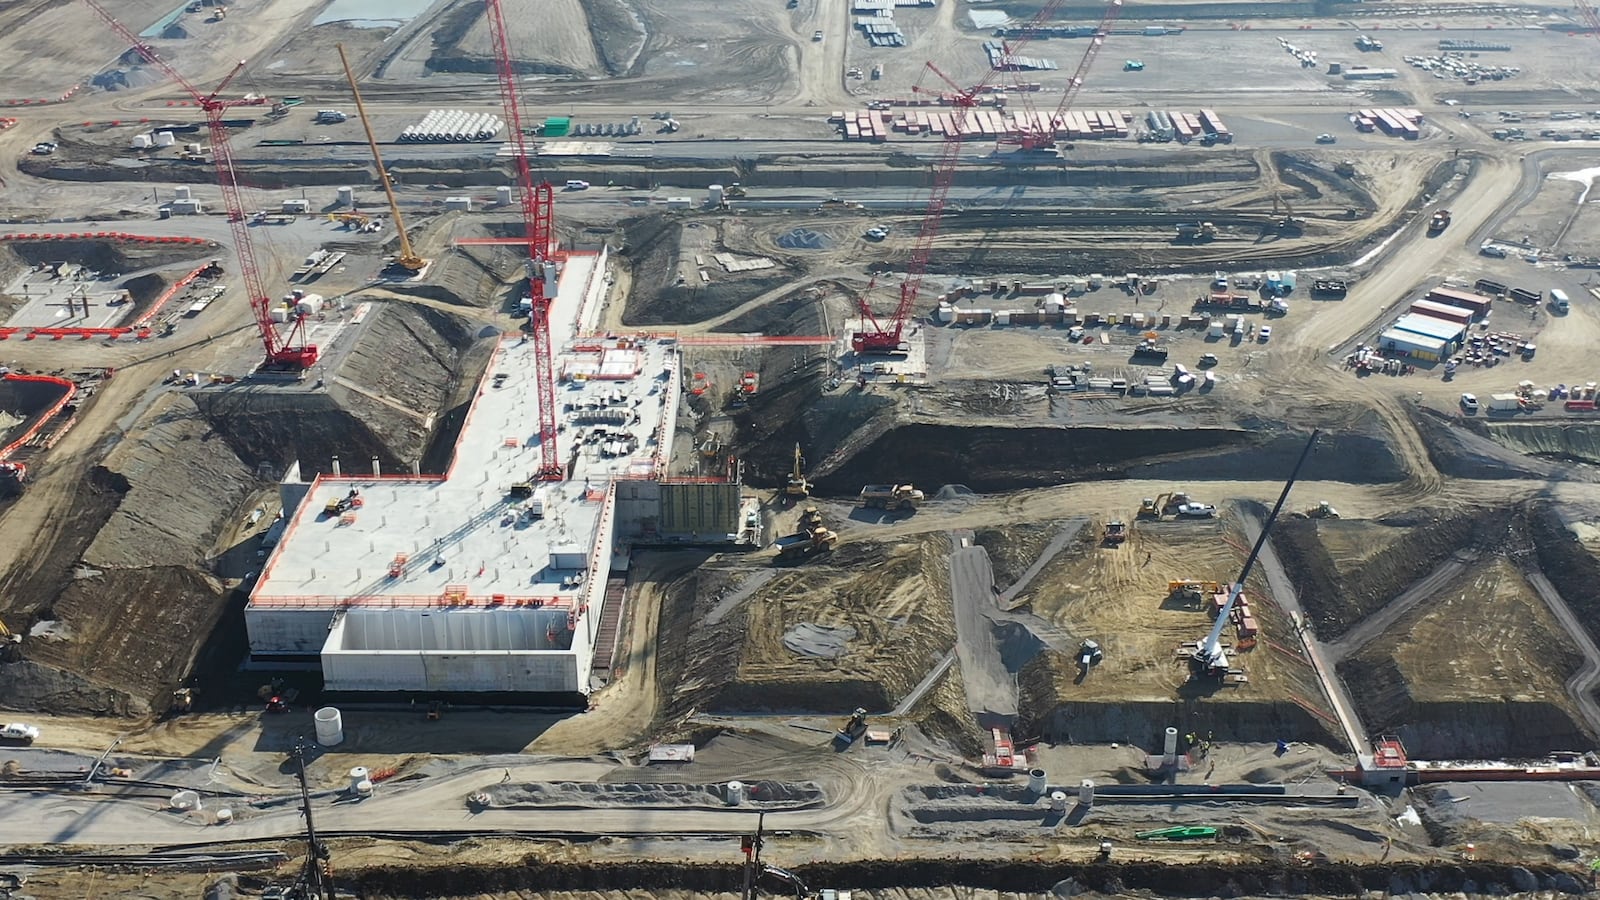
[1033,140]
[1589,17]
[538,216]
[282,351]
[877,336]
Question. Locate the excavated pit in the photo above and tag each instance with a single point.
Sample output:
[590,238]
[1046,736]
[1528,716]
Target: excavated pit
[1049,713]
[22,403]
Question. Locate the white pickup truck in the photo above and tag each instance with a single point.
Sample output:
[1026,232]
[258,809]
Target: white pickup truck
[18,733]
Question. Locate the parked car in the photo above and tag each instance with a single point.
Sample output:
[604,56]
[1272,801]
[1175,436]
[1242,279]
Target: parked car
[1208,359]
[1469,403]
[18,733]
[816,35]
[1265,334]
[1326,138]
[1197,510]
[44,148]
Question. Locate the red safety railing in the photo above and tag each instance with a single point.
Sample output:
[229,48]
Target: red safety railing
[60,404]
[447,599]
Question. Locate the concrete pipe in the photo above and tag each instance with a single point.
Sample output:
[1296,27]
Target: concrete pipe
[330,727]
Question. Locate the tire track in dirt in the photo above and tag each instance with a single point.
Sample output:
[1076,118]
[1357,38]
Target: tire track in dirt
[1581,686]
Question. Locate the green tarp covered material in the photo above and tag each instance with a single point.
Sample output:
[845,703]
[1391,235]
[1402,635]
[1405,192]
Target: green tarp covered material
[557,126]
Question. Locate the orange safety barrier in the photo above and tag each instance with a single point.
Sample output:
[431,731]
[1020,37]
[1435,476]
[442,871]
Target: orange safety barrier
[61,402]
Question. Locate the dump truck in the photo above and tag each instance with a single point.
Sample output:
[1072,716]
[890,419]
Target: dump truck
[1439,222]
[1116,532]
[853,728]
[800,545]
[891,496]
[1197,231]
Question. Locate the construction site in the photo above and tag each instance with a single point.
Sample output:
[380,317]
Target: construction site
[875,449]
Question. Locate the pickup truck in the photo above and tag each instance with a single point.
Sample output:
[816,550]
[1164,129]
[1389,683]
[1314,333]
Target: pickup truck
[1197,510]
[18,733]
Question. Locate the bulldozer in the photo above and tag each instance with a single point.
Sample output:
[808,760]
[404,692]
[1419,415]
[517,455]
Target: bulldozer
[797,488]
[891,496]
[851,730]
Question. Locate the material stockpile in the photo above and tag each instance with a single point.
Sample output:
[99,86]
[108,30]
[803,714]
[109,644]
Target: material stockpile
[1391,121]
[876,125]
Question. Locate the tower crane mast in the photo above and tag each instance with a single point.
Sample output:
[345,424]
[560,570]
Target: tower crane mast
[538,216]
[878,336]
[282,351]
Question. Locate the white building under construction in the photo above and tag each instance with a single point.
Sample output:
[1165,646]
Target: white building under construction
[466,582]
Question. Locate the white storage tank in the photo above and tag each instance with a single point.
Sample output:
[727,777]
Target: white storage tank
[1058,801]
[165,139]
[502,195]
[714,195]
[347,197]
[330,727]
[360,781]
[309,305]
[142,141]
[735,793]
[184,800]
[1086,793]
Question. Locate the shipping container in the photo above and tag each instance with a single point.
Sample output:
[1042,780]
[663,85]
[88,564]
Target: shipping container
[1505,402]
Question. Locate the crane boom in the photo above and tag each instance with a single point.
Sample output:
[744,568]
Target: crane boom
[1096,41]
[874,336]
[290,350]
[1210,656]
[538,216]
[408,259]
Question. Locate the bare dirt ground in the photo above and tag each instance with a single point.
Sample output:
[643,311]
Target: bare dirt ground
[1413,680]
[1441,636]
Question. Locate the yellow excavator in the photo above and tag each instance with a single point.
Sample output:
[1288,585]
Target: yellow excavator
[408,258]
[798,488]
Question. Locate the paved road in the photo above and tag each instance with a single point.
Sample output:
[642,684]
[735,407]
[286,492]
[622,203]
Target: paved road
[433,805]
[991,690]
[1283,592]
[1580,687]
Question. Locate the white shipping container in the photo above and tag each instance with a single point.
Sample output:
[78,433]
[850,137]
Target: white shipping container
[1505,401]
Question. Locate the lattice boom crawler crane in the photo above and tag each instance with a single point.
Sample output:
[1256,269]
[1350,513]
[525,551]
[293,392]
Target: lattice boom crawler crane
[285,351]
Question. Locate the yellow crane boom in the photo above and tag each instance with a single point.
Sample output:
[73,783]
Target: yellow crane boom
[408,258]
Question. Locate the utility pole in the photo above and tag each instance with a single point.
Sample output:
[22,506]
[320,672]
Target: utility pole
[751,845]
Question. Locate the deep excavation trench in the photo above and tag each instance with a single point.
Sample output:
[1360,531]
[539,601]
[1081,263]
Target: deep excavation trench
[1201,879]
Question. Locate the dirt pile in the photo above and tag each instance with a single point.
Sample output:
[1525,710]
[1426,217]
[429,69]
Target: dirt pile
[1473,449]
[370,408]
